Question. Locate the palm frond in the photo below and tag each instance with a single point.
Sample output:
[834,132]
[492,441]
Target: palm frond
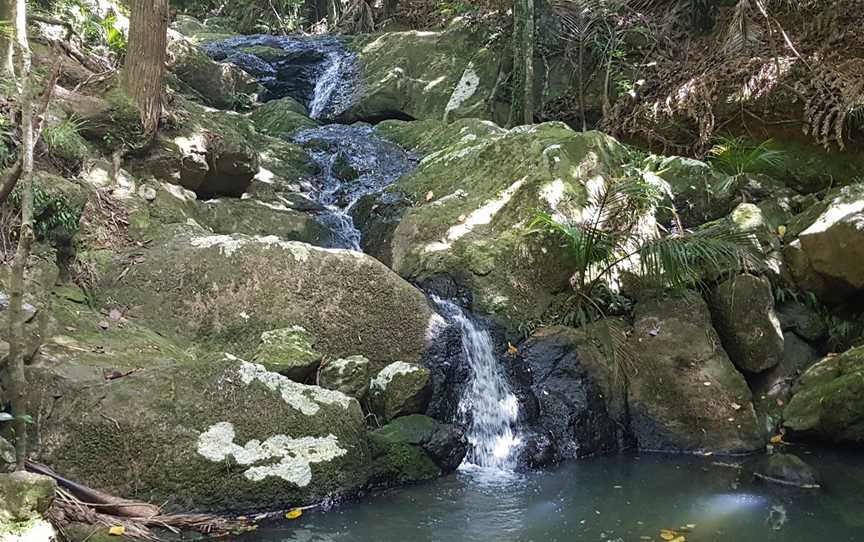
[735,156]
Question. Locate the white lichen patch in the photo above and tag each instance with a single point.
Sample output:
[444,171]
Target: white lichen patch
[306,399]
[229,244]
[484,214]
[293,456]
[390,372]
[465,89]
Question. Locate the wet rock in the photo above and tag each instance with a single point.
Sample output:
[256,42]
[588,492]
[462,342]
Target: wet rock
[25,496]
[213,433]
[828,403]
[803,320]
[225,290]
[290,352]
[377,216]
[400,389]
[343,169]
[347,375]
[743,311]
[686,394]
[581,401]
[413,449]
[789,469]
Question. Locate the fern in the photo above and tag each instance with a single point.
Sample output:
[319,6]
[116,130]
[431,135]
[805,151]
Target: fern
[735,156]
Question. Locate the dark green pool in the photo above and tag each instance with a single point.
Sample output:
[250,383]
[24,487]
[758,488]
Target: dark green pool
[605,499]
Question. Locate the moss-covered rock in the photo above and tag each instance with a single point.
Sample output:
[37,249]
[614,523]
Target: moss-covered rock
[281,117]
[414,448]
[290,352]
[829,401]
[215,434]
[425,75]
[347,375]
[253,217]
[225,290]
[475,199]
[743,312]
[24,496]
[687,395]
[400,389]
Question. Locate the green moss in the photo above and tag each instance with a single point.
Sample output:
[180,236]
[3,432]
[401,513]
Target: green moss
[265,52]
[281,117]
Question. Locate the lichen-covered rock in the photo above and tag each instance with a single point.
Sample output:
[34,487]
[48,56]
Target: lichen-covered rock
[414,448]
[425,75]
[290,352]
[400,389]
[829,401]
[225,290]
[743,311]
[215,434]
[281,117]
[474,201]
[24,496]
[581,400]
[347,375]
[686,395]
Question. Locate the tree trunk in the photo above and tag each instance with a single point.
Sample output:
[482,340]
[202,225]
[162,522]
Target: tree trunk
[7,47]
[144,71]
[522,104]
[17,378]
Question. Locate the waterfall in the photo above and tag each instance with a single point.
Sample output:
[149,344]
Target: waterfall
[488,406]
[326,85]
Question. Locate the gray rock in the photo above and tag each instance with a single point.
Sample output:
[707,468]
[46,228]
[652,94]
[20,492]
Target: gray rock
[743,311]
[343,169]
[400,389]
[789,469]
[28,309]
[804,321]
[686,395]
[347,375]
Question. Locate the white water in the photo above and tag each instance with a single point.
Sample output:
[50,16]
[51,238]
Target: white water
[326,85]
[487,404]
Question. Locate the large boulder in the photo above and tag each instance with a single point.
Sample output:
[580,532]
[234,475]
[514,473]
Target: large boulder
[425,75]
[400,389]
[827,254]
[225,290]
[215,434]
[281,117]
[254,217]
[828,403]
[218,84]
[475,198]
[686,394]
[415,448]
[743,311]
[579,390]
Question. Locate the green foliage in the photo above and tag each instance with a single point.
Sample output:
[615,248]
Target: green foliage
[53,215]
[736,155]
[65,145]
[617,234]
[97,31]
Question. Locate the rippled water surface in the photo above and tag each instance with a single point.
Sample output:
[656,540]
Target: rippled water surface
[605,499]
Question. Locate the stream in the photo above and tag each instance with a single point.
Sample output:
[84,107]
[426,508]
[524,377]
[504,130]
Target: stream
[620,498]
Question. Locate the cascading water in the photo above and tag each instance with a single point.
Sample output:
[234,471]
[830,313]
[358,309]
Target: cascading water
[488,406]
[326,85]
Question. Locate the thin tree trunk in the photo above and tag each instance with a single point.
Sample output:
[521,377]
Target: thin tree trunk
[144,71]
[522,104]
[7,46]
[17,378]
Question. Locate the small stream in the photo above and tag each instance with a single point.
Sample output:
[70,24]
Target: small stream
[609,499]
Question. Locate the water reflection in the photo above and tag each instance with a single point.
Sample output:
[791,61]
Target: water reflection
[602,499]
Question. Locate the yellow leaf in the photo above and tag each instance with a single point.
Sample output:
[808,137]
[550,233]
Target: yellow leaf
[117,531]
[666,534]
[679,539]
[294,514]
[777,439]
[781,230]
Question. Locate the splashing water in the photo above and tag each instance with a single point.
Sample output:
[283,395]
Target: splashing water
[326,85]
[487,404]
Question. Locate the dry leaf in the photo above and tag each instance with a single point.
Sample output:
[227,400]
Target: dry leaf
[119,530]
[294,514]
[430,195]
[777,439]
[511,349]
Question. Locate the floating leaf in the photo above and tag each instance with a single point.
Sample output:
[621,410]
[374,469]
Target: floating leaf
[117,530]
[294,514]
[679,539]
[666,534]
